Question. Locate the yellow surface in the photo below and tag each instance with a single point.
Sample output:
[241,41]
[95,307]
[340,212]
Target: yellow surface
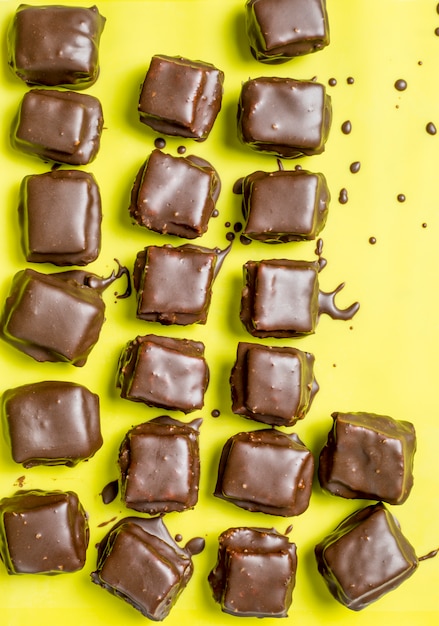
[385,361]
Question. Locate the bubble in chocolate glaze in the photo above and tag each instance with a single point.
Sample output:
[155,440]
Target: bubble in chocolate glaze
[400,84]
[160,143]
[431,128]
[350,80]
[355,167]
[400,197]
[343,196]
[332,82]
[346,127]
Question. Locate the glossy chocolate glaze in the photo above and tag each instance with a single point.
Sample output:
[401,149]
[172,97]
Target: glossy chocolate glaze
[281,298]
[273,385]
[181,97]
[368,456]
[55,45]
[164,372]
[279,30]
[255,573]
[284,205]
[285,117]
[365,557]
[139,562]
[59,126]
[175,195]
[51,423]
[160,466]
[60,216]
[43,532]
[267,471]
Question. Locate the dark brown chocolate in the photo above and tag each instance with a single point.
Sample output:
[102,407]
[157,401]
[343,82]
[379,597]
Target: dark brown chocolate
[43,532]
[51,423]
[175,195]
[55,317]
[285,117]
[284,206]
[281,298]
[55,45]
[365,557]
[368,456]
[160,466]
[181,97]
[255,573]
[60,215]
[273,385]
[267,471]
[59,126]
[164,372]
[279,30]
[174,284]
[139,562]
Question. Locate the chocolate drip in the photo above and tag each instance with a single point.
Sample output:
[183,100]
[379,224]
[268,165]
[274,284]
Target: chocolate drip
[195,546]
[110,491]
[101,283]
[327,305]
[430,555]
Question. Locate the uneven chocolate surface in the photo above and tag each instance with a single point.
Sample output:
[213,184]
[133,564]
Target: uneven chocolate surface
[164,372]
[43,532]
[181,97]
[139,562]
[55,45]
[279,30]
[175,195]
[266,471]
[51,423]
[255,572]
[273,385]
[60,216]
[285,205]
[285,117]
[59,126]
[365,557]
[368,456]
[160,466]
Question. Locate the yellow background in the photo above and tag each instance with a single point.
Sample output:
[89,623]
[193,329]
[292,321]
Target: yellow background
[385,361]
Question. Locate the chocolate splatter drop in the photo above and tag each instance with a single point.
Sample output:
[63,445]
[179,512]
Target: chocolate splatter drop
[215,413]
[431,128]
[178,537]
[298,168]
[355,167]
[288,529]
[327,305]
[230,236]
[343,196]
[332,82]
[424,225]
[102,524]
[401,197]
[181,149]
[20,482]
[195,546]
[400,84]
[215,213]
[346,127]
[436,32]
[350,80]
[237,227]
[160,143]
[245,240]
[372,240]
[110,491]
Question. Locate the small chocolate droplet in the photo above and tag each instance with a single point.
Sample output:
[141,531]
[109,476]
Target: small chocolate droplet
[110,491]
[237,227]
[400,84]
[245,240]
[298,167]
[237,186]
[181,149]
[215,213]
[178,538]
[227,224]
[343,196]
[332,82]
[215,413]
[355,167]
[372,240]
[230,236]
[346,127]
[431,128]
[400,197]
[436,32]
[424,225]
[160,143]
[350,80]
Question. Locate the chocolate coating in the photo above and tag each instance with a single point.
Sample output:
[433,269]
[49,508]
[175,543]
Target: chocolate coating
[181,97]
[272,385]
[285,117]
[59,126]
[255,573]
[43,532]
[139,562]
[368,456]
[174,284]
[284,205]
[164,372]
[160,466]
[175,195]
[279,30]
[365,557]
[51,423]
[60,215]
[53,317]
[55,45]
[266,471]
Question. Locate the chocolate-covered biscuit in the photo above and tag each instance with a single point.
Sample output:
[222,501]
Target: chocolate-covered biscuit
[60,216]
[59,126]
[279,30]
[285,117]
[164,372]
[181,97]
[51,423]
[255,573]
[160,466]
[55,45]
[368,456]
[266,471]
[175,195]
[43,532]
[365,557]
[139,562]
[273,385]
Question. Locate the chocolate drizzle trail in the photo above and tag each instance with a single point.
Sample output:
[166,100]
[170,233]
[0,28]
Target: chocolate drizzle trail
[327,305]
[101,283]
[430,555]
